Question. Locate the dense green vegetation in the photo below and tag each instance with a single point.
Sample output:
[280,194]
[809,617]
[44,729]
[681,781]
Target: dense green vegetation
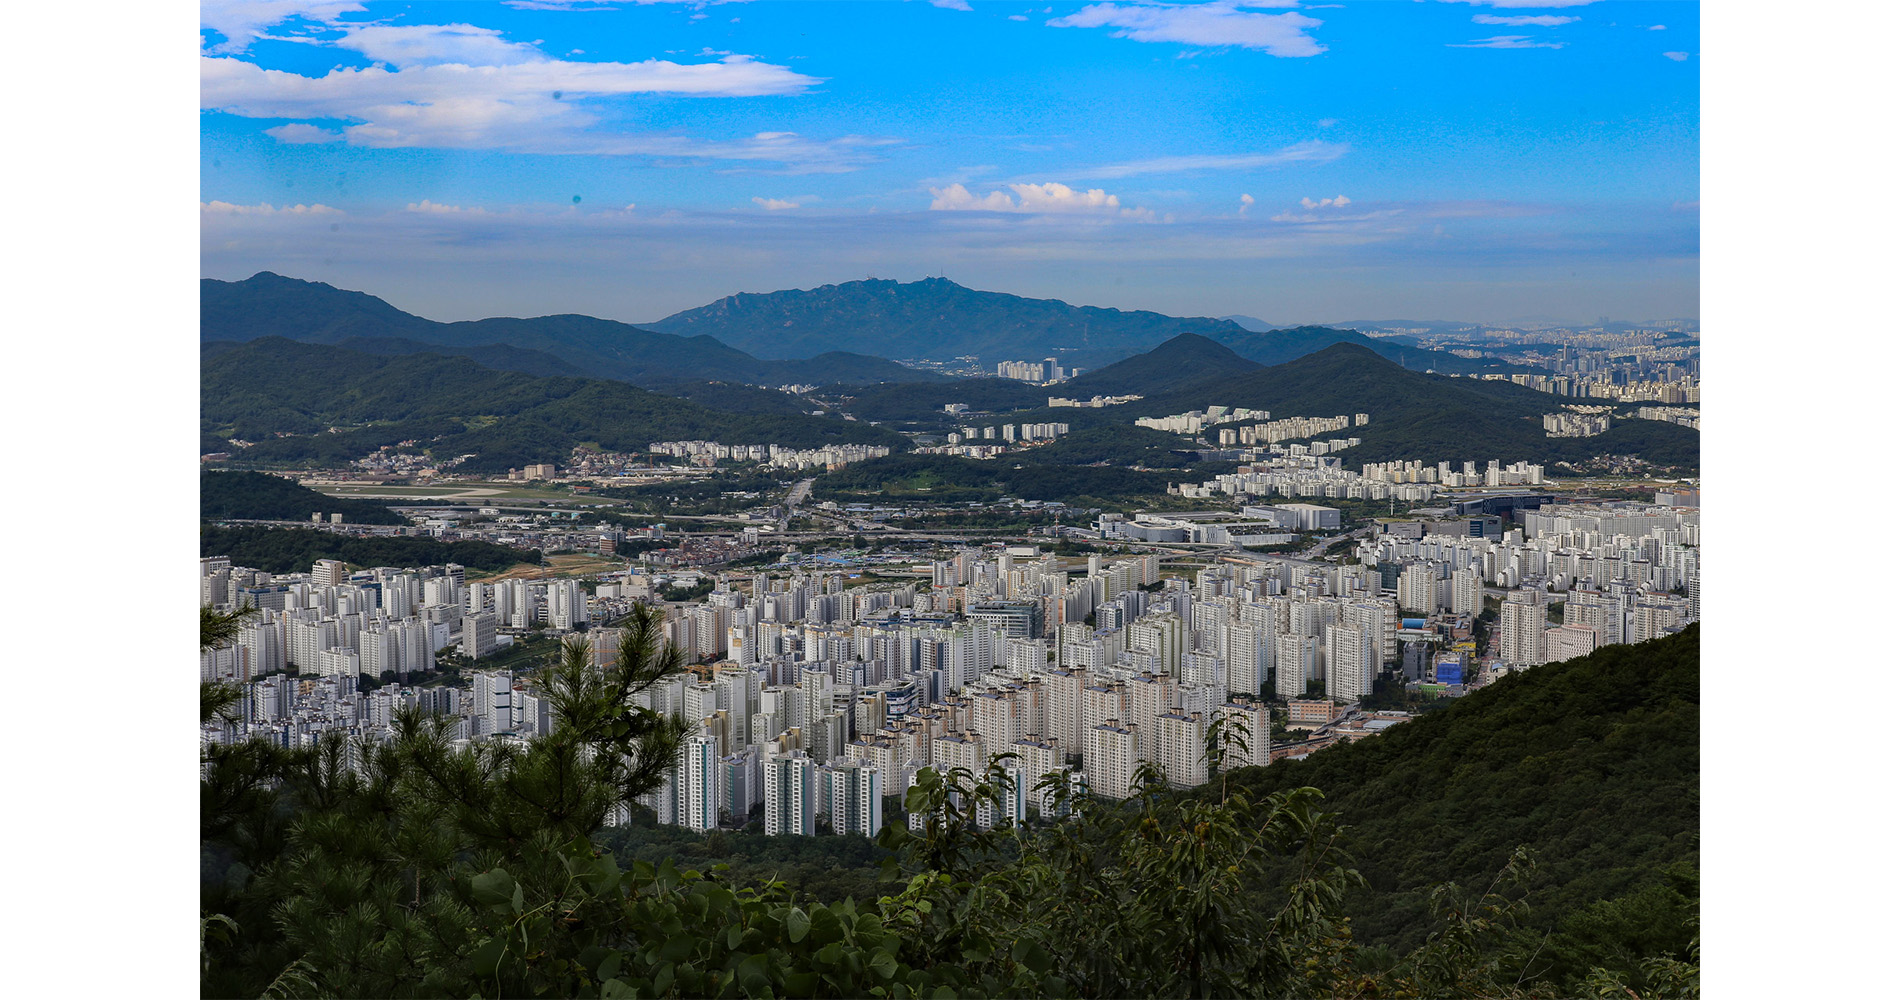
[1593,764]
[923,403]
[452,407]
[1119,444]
[255,496]
[291,550]
[485,870]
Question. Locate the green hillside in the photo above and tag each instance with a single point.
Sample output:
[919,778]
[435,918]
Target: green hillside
[1594,764]
[256,496]
[1419,416]
[1179,363]
[452,406]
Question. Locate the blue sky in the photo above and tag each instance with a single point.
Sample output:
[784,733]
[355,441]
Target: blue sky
[1295,162]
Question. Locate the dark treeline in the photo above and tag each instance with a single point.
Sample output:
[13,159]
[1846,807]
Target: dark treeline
[291,550]
[256,496]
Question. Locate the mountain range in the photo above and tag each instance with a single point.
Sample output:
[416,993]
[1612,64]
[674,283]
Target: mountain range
[932,318]
[270,305]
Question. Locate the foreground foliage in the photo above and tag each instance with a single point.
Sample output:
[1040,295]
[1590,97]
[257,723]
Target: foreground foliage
[431,870]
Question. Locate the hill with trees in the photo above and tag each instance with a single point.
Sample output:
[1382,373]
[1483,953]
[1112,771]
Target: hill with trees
[257,496]
[1592,764]
[338,404]
[1175,364]
[293,550]
[1420,416]
[271,305]
[931,318]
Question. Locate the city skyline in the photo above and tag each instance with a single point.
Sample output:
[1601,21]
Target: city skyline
[1326,163]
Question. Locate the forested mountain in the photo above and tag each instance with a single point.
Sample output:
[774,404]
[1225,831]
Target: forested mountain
[1419,416]
[258,496]
[270,305]
[1175,364]
[452,406]
[933,318]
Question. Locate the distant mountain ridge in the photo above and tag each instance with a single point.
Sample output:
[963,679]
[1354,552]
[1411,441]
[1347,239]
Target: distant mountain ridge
[934,318]
[271,305]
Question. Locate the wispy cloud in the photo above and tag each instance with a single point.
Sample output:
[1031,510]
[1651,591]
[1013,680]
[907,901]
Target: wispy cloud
[1314,151]
[226,208]
[1504,42]
[781,204]
[1211,24]
[963,5]
[1677,56]
[1522,20]
[1340,202]
[1246,202]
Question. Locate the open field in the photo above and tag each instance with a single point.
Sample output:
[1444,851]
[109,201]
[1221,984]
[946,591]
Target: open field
[452,491]
[564,565]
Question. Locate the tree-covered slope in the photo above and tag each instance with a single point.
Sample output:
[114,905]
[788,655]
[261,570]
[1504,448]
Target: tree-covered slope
[257,496]
[1418,416]
[1180,362]
[1594,764]
[452,407]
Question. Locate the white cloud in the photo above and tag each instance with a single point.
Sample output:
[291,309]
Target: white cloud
[1035,199]
[776,204]
[1504,42]
[1340,202]
[1314,151]
[1327,122]
[1213,25]
[242,22]
[226,208]
[952,4]
[1521,20]
[297,134]
[1246,202]
[1677,56]
[431,44]
[1658,27]
[540,105]
[1018,17]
